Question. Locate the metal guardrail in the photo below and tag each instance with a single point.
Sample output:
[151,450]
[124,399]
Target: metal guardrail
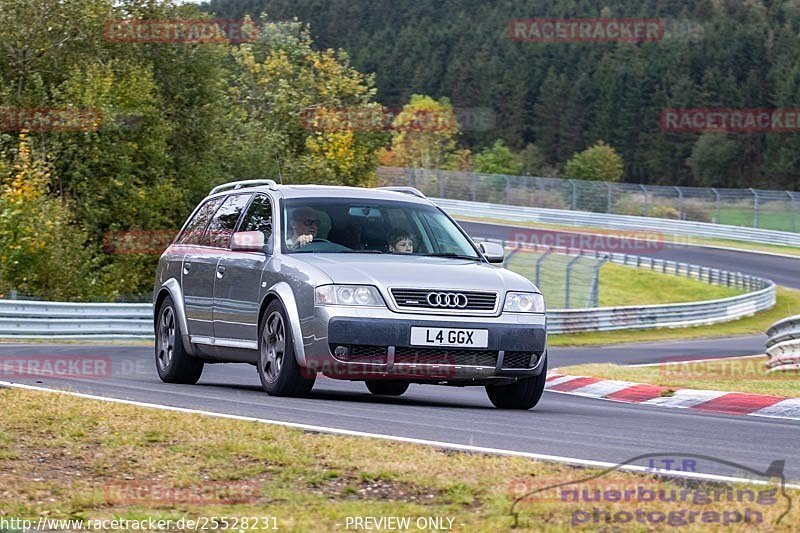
[28,319]
[756,208]
[783,345]
[512,213]
[34,319]
[760,296]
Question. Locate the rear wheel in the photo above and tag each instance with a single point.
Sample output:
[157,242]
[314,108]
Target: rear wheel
[173,363]
[278,369]
[387,388]
[523,394]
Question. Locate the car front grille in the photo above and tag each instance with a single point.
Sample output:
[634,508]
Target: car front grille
[418,299]
[517,360]
[444,356]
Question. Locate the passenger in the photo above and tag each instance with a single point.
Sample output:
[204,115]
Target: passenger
[304,224]
[401,243]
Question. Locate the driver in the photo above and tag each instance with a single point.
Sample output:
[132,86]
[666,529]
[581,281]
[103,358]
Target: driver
[304,224]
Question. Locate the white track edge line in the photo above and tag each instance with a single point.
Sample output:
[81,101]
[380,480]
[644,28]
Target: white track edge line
[666,363]
[408,440]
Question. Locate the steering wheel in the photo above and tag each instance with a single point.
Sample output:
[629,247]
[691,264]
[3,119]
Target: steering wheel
[320,240]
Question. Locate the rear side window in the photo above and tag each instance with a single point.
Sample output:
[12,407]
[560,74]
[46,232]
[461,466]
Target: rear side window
[259,217]
[221,227]
[194,229]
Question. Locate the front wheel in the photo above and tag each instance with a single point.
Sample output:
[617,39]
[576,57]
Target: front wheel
[387,388]
[173,363]
[278,369]
[523,394]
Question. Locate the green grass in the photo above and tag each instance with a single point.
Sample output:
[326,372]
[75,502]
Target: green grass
[787,304]
[67,457]
[774,219]
[677,239]
[732,374]
[619,285]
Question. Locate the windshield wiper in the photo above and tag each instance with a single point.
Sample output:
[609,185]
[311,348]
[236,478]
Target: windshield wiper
[452,256]
[360,252]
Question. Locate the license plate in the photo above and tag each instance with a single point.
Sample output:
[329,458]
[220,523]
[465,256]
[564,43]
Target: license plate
[462,338]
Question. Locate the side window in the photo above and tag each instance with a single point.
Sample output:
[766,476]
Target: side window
[221,227]
[194,229]
[259,217]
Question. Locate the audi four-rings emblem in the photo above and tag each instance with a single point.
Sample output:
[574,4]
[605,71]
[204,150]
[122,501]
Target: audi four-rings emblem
[447,299]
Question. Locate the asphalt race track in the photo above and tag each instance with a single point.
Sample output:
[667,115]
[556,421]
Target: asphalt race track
[784,271]
[561,425]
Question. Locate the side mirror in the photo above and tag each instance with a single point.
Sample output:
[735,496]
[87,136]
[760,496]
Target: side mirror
[493,252]
[248,241]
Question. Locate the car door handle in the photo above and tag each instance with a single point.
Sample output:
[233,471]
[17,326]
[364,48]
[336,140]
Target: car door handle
[186,268]
[220,272]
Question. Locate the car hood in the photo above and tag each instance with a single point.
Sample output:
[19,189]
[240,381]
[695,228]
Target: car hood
[415,271]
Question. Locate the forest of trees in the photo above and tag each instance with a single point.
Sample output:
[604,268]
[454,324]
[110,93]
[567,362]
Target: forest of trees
[169,121]
[165,121]
[564,97]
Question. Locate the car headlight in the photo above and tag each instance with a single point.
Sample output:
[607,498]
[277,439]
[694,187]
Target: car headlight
[524,302]
[365,295]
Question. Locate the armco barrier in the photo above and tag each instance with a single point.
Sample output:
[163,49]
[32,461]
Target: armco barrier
[512,213]
[760,296]
[32,319]
[756,208]
[783,345]
[26,319]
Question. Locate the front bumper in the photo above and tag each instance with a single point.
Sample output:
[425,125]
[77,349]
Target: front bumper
[378,342]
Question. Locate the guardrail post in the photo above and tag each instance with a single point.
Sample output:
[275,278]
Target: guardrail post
[539,266]
[594,295]
[473,187]
[608,197]
[569,276]
[755,207]
[574,195]
[507,258]
[508,190]
[794,210]
[540,184]
[646,206]
[681,214]
[717,203]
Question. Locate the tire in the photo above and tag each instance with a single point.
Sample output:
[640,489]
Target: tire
[387,388]
[173,363]
[277,365]
[524,394]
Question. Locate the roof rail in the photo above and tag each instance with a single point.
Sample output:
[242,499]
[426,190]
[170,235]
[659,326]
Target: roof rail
[405,190]
[246,183]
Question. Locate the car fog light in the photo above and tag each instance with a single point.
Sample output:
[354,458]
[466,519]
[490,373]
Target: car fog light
[341,351]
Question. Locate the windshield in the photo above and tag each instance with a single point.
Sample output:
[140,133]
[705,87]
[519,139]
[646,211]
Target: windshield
[354,225]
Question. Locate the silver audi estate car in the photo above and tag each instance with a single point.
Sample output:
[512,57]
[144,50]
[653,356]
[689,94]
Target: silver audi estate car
[373,285]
